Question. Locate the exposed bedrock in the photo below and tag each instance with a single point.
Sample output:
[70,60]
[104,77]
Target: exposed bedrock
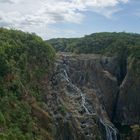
[128,106]
[93,72]
[91,92]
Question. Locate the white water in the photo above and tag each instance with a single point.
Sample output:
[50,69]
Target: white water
[65,76]
[111,133]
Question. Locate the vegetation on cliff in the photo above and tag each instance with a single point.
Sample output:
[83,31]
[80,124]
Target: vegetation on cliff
[25,59]
[108,43]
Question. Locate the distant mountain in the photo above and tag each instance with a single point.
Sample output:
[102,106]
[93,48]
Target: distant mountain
[105,43]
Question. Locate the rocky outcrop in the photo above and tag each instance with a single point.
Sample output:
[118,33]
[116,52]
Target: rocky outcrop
[81,99]
[128,107]
[91,71]
[86,92]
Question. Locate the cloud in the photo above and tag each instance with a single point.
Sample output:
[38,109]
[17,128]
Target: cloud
[103,7]
[61,11]
[54,11]
[99,3]
[5,1]
[47,12]
[9,1]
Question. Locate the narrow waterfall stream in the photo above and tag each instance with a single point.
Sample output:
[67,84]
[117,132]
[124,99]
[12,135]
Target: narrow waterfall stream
[111,133]
[65,76]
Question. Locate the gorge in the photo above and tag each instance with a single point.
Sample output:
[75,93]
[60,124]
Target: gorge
[86,107]
[85,89]
[89,89]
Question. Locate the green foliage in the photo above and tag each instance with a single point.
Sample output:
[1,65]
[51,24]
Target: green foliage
[24,60]
[2,119]
[103,43]
[62,109]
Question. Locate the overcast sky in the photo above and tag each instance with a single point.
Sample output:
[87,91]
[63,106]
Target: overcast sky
[70,18]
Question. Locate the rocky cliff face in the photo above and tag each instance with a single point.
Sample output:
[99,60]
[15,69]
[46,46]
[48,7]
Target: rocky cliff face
[128,106]
[81,98]
[86,96]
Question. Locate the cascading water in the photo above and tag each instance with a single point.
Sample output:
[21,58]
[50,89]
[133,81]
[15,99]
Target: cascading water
[65,76]
[111,133]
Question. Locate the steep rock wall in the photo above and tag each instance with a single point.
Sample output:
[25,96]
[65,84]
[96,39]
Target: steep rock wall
[128,106]
[81,94]
[86,94]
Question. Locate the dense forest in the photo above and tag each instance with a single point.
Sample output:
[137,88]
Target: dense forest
[24,60]
[102,43]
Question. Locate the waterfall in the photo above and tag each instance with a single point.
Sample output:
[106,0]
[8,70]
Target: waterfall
[65,76]
[83,102]
[111,133]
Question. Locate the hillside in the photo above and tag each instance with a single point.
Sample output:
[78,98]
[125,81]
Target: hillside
[25,59]
[107,43]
